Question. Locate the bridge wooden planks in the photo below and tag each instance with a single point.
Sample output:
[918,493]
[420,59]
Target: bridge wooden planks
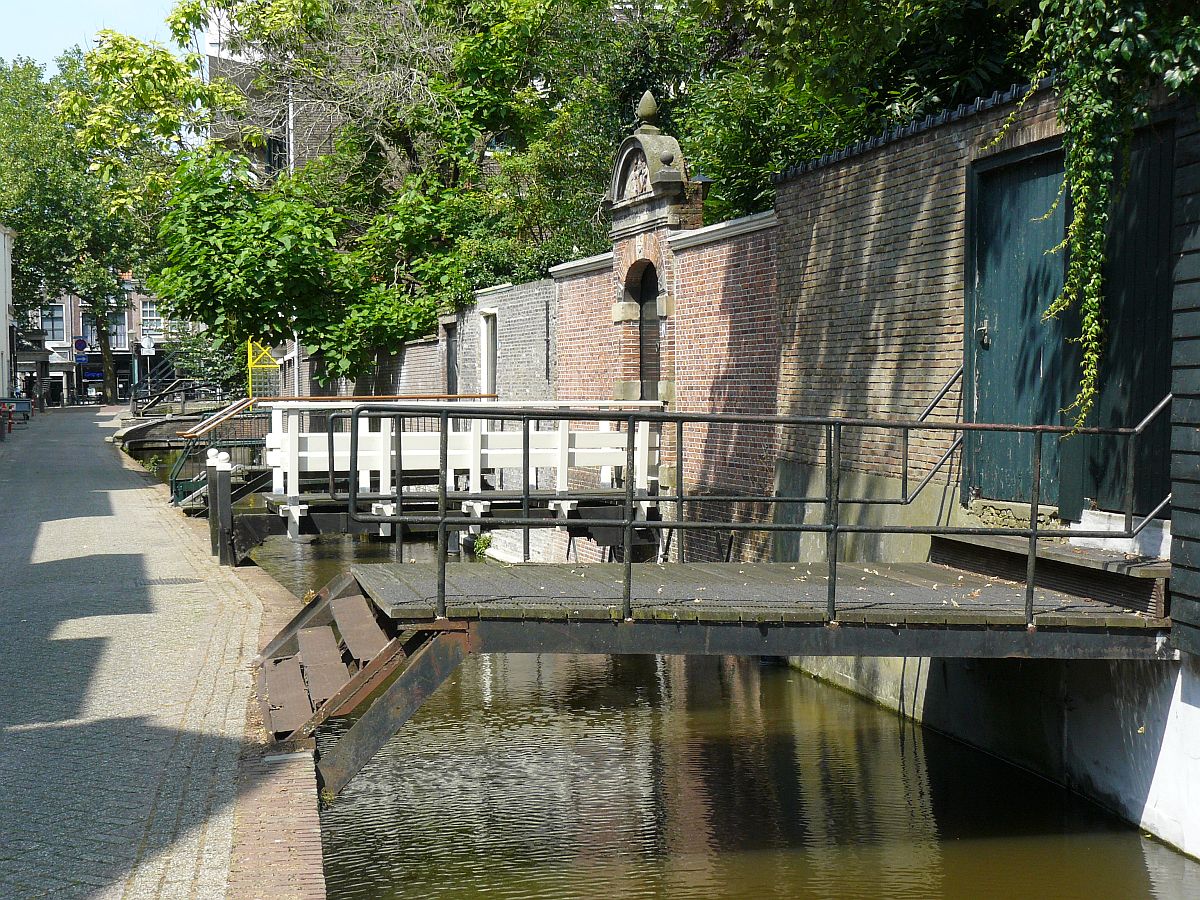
[923,594]
[321,662]
[287,706]
[356,623]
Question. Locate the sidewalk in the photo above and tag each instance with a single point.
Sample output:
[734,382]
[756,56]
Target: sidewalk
[124,677]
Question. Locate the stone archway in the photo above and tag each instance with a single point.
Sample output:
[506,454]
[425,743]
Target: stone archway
[642,289]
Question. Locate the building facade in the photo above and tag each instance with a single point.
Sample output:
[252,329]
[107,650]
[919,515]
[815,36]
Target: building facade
[75,373]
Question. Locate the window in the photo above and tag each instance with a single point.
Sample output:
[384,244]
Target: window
[118,331]
[275,155]
[487,347]
[53,324]
[451,359]
[152,320]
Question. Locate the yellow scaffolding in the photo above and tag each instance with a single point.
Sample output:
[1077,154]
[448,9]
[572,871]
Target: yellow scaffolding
[262,371]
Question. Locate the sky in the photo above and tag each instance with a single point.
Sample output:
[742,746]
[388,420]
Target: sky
[42,29]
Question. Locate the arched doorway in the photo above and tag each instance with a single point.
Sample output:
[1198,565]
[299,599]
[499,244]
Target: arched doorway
[649,366]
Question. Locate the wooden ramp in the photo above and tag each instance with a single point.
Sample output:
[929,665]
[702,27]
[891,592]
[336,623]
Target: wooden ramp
[370,645]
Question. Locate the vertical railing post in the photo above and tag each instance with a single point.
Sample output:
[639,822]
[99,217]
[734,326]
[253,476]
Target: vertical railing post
[352,464]
[1130,459]
[398,485]
[680,507]
[627,542]
[832,512]
[525,487]
[224,509]
[330,452]
[214,519]
[904,465]
[1035,490]
[443,465]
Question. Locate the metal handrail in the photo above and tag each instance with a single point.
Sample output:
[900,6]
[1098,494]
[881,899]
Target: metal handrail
[832,526]
[925,413]
[219,418]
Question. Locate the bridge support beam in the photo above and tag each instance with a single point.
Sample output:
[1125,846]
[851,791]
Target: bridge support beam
[426,671]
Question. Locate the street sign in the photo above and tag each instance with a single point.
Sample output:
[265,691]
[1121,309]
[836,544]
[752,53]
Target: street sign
[81,359]
[80,345]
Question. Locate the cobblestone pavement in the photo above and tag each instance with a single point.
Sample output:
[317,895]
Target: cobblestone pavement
[123,676]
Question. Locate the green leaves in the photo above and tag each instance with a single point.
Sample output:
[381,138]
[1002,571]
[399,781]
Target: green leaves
[70,236]
[1108,58]
[263,262]
[133,106]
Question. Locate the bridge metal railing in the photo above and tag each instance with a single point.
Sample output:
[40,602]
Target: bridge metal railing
[631,422]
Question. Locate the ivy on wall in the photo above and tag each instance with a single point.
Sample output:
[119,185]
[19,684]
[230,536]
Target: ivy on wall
[1112,61]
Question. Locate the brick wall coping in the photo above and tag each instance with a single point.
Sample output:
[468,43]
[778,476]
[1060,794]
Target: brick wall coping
[483,293]
[722,231]
[582,266]
[916,126]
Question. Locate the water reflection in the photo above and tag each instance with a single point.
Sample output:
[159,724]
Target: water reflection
[557,776]
[587,776]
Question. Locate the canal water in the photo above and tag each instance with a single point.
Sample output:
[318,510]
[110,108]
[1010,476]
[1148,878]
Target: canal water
[612,777]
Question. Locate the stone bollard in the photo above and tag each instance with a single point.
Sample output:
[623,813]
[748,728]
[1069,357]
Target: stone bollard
[210,463]
[222,490]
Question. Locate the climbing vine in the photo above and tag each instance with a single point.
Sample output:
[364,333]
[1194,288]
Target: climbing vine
[1111,60]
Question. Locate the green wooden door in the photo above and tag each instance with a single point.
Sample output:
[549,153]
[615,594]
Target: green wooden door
[1135,373]
[1020,367]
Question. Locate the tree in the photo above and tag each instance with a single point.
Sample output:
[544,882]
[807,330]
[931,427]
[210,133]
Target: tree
[102,292]
[359,249]
[43,187]
[71,237]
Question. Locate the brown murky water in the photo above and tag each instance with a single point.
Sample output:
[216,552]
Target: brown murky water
[611,777]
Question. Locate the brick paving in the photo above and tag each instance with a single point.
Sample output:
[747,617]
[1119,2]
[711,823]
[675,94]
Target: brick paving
[124,677]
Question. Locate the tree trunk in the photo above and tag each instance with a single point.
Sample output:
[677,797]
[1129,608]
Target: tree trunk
[104,339]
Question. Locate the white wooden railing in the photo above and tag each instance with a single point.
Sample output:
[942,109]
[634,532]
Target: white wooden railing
[475,447]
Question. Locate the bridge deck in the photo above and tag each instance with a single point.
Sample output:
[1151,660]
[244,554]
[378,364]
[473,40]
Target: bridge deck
[402,651]
[916,594]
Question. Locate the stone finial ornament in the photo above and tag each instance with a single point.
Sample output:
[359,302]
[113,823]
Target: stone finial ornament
[647,109]
[649,167]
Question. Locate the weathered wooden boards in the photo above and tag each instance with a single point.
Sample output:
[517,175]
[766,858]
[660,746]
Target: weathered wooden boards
[901,594]
[329,662]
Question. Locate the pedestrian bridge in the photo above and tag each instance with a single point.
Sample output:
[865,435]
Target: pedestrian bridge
[379,639]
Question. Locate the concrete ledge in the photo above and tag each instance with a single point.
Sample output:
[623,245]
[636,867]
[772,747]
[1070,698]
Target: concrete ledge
[584,266]
[625,311]
[627,390]
[722,231]
[276,850]
[486,292]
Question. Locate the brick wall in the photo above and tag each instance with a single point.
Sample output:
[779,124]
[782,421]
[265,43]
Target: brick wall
[418,369]
[724,341]
[525,341]
[587,345]
[871,282]
[525,370]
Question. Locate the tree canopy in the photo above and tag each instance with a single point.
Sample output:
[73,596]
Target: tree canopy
[438,146]
[71,236]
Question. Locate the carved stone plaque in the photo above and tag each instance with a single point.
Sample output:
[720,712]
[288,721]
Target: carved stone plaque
[637,177]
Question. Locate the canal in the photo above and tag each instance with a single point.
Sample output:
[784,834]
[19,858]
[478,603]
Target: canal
[587,776]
